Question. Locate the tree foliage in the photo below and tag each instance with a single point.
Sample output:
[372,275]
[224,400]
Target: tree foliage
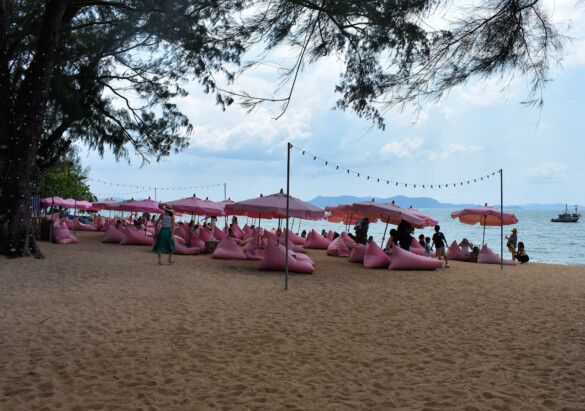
[67,179]
[393,57]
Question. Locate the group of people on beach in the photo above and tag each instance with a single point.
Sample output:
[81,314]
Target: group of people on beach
[517,254]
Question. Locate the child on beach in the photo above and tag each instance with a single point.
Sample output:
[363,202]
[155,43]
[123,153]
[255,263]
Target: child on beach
[521,253]
[439,242]
[421,240]
[466,247]
[427,246]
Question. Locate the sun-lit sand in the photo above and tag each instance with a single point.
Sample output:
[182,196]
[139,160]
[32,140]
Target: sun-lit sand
[102,326]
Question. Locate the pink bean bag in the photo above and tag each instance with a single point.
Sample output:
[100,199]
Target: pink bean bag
[316,240]
[113,235]
[330,235]
[253,253]
[297,239]
[219,234]
[248,232]
[416,248]
[454,253]
[238,232]
[375,257]
[79,226]
[182,249]
[357,254]
[487,256]
[205,235]
[193,240]
[338,248]
[69,223]
[134,236]
[407,260]
[350,242]
[275,260]
[228,249]
[61,234]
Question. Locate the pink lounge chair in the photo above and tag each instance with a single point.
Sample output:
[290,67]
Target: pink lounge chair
[253,253]
[375,257]
[248,232]
[416,248]
[330,235]
[316,240]
[219,234]
[228,249]
[296,239]
[275,260]
[61,234]
[357,254]
[487,256]
[133,236]
[205,235]
[182,249]
[350,242]
[113,235]
[238,232]
[338,248]
[407,260]
[454,253]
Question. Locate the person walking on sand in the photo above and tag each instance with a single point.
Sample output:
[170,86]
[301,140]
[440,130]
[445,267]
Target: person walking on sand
[439,242]
[165,240]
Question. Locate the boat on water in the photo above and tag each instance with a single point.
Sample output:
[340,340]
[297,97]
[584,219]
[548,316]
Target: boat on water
[567,217]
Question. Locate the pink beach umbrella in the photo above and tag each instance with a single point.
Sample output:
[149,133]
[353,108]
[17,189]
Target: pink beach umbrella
[54,201]
[195,206]
[388,213]
[485,216]
[429,222]
[136,206]
[101,205]
[274,206]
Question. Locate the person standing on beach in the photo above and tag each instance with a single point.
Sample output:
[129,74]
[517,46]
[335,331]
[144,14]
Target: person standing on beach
[512,242]
[165,241]
[439,242]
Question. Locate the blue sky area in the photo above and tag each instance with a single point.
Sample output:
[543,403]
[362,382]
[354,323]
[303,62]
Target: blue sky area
[473,132]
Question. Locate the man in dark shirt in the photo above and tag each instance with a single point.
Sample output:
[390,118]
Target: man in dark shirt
[361,231]
[439,242]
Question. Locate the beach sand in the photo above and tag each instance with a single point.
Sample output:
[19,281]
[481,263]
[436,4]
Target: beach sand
[102,326]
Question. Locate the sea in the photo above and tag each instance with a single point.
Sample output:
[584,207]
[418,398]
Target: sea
[544,241]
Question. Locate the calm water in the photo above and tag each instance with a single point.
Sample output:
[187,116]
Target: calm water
[545,242]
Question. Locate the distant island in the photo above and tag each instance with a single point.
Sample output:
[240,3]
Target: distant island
[422,202]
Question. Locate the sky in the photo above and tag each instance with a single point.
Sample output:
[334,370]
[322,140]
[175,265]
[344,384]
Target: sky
[471,134]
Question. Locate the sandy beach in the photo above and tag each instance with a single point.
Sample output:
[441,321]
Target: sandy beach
[102,326]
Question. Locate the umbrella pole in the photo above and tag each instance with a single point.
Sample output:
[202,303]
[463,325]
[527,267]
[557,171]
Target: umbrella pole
[278,233]
[501,219]
[483,238]
[289,145]
[384,236]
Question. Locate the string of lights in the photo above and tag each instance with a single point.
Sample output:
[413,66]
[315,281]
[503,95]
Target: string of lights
[396,183]
[143,188]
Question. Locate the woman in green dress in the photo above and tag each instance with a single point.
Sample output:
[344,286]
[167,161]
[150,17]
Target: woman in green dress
[165,240]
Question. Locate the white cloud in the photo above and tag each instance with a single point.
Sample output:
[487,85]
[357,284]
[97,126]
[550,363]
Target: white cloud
[404,148]
[452,149]
[550,172]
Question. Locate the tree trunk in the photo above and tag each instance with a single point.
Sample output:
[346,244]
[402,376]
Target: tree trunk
[24,119]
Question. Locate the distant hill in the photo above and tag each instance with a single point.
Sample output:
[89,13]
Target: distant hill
[401,201]
[426,202]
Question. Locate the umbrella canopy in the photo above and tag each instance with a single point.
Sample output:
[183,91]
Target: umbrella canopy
[274,206]
[344,213]
[388,213]
[85,205]
[485,216]
[100,205]
[195,205]
[429,222]
[140,206]
[57,201]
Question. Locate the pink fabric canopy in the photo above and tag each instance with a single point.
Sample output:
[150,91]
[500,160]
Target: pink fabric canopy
[140,206]
[429,222]
[195,205]
[485,216]
[274,206]
[388,213]
[100,205]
